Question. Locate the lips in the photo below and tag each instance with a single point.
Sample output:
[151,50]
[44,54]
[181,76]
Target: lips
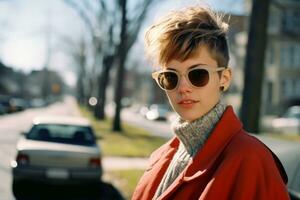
[187,102]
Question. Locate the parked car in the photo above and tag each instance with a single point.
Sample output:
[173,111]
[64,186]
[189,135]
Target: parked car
[2,109]
[158,112]
[289,123]
[57,150]
[6,105]
[143,110]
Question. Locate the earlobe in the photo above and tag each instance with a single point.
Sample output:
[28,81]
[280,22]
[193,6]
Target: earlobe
[226,78]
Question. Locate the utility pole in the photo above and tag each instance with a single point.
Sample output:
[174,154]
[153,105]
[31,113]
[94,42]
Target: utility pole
[254,65]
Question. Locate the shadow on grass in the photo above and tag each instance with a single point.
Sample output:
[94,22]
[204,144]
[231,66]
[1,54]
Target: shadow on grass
[92,191]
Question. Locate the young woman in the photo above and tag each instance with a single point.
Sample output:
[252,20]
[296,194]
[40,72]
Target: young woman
[211,157]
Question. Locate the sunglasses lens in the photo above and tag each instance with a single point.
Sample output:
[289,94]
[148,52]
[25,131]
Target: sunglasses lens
[199,77]
[167,80]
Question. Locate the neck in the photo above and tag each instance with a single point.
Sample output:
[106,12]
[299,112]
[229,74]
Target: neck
[193,134]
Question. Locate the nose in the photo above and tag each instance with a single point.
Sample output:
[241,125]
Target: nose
[183,85]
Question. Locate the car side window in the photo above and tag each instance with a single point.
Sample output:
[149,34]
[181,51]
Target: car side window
[43,134]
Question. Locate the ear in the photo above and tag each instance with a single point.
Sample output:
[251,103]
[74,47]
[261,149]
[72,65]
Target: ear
[226,77]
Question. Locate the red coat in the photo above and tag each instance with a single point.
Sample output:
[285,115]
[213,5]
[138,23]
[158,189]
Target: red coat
[231,165]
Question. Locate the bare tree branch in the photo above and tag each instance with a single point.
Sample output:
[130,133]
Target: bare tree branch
[137,22]
[83,14]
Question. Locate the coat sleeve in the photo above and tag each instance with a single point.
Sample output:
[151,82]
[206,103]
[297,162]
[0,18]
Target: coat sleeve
[247,175]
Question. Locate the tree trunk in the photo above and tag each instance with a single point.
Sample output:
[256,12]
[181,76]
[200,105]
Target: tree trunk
[103,82]
[45,84]
[80,92]
[122,51]
[254,66]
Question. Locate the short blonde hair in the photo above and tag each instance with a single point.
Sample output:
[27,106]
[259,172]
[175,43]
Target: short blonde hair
[179,34]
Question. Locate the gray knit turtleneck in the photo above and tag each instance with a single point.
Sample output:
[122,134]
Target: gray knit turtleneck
[192,136]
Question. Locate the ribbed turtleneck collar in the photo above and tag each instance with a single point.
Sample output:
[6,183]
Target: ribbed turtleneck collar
[193,134]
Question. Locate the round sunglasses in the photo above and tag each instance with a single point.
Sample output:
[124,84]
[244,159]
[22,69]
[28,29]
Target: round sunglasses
[197,77]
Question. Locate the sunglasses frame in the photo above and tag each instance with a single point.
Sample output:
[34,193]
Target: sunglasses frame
[209,69]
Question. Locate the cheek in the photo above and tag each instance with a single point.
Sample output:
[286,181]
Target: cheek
[172,98]
[214,85]
[209,94]
[213,93]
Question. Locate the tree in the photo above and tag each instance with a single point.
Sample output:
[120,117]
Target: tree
[94,15]
[78,52]
[113,31]
[254,65]
[128,35]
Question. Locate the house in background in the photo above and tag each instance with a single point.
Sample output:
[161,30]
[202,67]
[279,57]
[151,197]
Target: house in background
[281,85]
[282,69]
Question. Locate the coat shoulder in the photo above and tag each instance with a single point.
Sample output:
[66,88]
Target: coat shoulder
[244,143]
[249,149]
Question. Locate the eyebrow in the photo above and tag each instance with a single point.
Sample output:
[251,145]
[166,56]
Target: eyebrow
[190,67]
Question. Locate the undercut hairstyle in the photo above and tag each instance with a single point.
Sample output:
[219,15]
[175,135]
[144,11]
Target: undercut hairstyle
[179,35]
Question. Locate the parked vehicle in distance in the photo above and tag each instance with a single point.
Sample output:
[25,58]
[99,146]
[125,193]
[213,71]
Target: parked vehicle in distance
[6,104]
[57,150]
[289,123]
[2,109]
[143,110]
[158,112]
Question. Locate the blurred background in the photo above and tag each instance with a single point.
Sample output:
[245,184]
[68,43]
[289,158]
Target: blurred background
[53,48]
[91,53]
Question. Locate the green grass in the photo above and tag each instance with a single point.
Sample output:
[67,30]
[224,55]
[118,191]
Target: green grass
[132,142]
[125,180]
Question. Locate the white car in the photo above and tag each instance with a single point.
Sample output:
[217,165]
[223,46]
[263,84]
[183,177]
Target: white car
[289,123]
[57,150]
[158,112]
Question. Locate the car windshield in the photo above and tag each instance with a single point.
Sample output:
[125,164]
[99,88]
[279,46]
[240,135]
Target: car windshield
[68,134]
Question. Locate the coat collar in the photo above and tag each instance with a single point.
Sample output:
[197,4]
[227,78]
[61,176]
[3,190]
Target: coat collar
[225,129]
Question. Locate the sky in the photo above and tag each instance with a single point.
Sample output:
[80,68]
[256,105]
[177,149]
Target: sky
[26,25]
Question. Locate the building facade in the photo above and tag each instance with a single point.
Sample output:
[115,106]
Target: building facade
[282,70]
